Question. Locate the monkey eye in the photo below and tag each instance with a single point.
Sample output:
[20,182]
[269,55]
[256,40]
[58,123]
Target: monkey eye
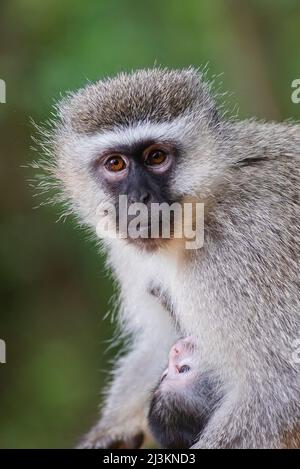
[115,163]
[184,369]
[155,158]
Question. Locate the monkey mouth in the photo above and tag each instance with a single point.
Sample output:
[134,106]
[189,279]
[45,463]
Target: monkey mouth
[145,240]
[147,244]
[150,227]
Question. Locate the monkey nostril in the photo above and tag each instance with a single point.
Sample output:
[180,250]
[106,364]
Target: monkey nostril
[145,197]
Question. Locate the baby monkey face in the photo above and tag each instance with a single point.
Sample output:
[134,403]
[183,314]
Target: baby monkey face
[181,368]
[185,397]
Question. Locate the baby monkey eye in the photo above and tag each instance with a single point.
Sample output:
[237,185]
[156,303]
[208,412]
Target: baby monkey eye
[115,163]
[155,157]
[184,369]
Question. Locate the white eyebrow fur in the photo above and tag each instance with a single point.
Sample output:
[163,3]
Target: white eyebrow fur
[89,146]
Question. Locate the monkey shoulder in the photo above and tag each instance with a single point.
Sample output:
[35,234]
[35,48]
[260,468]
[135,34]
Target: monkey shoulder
[250,139]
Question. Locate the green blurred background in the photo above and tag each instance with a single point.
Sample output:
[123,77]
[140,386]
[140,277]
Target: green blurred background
[54,293]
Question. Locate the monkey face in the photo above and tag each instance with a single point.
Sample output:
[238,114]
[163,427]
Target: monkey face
[141,173]
[137,136]
[184,398]
[182,367]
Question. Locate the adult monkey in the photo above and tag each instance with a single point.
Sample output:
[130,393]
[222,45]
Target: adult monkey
[156,136]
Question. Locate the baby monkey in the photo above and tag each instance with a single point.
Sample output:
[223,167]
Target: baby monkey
[184,398]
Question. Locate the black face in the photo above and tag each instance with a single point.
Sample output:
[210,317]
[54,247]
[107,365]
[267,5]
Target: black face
[176,420]
[174,425]
[141,171]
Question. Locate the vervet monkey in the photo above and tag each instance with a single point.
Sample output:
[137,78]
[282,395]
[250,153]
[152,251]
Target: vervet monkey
[157,136]
[184,398]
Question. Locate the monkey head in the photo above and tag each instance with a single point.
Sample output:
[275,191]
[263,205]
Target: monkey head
[152,136]
[184,399]
[181,369]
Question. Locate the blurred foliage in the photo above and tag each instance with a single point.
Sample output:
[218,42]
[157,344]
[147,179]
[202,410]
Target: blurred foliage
[54,292]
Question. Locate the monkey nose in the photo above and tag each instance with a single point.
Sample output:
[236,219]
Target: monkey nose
[145,197]
[177,349]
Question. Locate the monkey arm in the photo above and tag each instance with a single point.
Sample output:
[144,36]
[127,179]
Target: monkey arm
[249,418]
[124,415]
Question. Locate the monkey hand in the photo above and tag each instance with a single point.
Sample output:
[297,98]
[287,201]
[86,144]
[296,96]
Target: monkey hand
[99,438]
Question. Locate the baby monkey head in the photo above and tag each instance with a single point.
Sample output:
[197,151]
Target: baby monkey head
[145,138]
[184,399]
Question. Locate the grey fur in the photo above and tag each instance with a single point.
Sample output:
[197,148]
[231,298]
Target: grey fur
[157,95]
[239,294]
